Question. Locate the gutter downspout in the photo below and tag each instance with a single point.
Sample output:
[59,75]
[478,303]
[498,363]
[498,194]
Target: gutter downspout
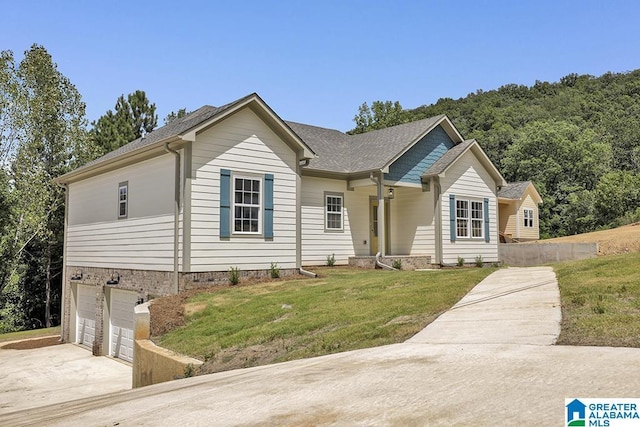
[299,222]
[381,222]
[63,302]
[307,273]
[438,214]
[176,218]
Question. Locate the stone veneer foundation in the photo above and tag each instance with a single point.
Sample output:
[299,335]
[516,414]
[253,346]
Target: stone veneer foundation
[408,262]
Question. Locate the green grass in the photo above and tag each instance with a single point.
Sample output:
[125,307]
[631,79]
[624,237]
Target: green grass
[34,333]
[600,301]
[345,309]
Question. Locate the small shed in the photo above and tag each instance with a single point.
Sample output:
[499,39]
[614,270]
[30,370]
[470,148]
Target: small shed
[518,204]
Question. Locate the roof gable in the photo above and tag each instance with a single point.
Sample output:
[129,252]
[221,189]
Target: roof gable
[375,150]
[378,149]
[185,129]
[409,167]
[517,191]
[440,167]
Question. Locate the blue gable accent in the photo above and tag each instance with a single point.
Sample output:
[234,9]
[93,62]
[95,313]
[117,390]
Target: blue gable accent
[412,164]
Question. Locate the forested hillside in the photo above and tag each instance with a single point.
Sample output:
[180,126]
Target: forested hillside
[578,140]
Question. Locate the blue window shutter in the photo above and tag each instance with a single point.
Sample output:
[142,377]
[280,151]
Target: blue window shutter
[452,217]
[487,238]
[225,203]
[268,206]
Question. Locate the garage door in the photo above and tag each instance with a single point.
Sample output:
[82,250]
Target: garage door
[86,315]
[121,324]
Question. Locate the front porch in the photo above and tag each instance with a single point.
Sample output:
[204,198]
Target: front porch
[408,262]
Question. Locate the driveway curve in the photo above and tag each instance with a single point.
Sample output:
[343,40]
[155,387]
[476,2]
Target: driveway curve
[442,376]
[511,306]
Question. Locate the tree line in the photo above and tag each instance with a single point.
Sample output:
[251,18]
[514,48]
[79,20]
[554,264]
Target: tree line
[578,140]
[44,134]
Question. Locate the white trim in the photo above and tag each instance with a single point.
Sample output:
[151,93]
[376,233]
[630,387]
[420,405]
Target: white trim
[260,206]
[307,153]
[339,196]
[123,201]
[526,217]
[469,218]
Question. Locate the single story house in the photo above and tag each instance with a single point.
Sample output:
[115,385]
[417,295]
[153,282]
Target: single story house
[237,186]
[518,208]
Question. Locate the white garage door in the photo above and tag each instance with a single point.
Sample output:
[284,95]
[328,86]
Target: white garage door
[121,324]
[86,315]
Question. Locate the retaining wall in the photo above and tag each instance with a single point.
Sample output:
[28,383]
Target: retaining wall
[532,254]
[153,364]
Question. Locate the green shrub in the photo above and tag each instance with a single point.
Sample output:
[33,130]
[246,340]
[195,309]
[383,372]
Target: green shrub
[189,371]
[397,264]
[234,275]
[331,260]
[274,270]
[460,261]
[479,262]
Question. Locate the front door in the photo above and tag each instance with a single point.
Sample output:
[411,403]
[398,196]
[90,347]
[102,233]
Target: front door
[373,225]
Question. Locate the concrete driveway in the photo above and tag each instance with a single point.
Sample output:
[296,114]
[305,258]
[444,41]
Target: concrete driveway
[49,375]
[488,361]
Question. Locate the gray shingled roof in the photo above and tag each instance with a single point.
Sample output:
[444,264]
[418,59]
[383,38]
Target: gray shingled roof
[339,152]
[336,151]
[448,158]
[375,149]
[514,190]
[175,128]
[330,145]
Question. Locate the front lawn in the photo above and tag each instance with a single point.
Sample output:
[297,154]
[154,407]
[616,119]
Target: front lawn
[344,309]
[600,301]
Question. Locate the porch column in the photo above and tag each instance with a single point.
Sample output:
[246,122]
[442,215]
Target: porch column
[381,219]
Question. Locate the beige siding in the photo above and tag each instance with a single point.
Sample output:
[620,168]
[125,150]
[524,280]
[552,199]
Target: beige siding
[508,219]
[529,233]
[243,144]
[467,178]
[412,222]
[143,240]
[150,193]
[358,209]
[318,243]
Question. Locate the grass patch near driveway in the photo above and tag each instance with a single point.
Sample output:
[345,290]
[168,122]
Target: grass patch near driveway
[600,301]
[33,333]
[344,309]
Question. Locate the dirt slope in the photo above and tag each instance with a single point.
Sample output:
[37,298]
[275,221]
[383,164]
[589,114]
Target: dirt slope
[621,240]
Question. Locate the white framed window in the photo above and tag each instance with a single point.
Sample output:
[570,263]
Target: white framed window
[333,211]
[528,217]
[462,218]
[247,205]
[123,200]
[469,218]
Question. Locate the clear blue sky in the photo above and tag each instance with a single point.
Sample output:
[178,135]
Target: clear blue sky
[316,62]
